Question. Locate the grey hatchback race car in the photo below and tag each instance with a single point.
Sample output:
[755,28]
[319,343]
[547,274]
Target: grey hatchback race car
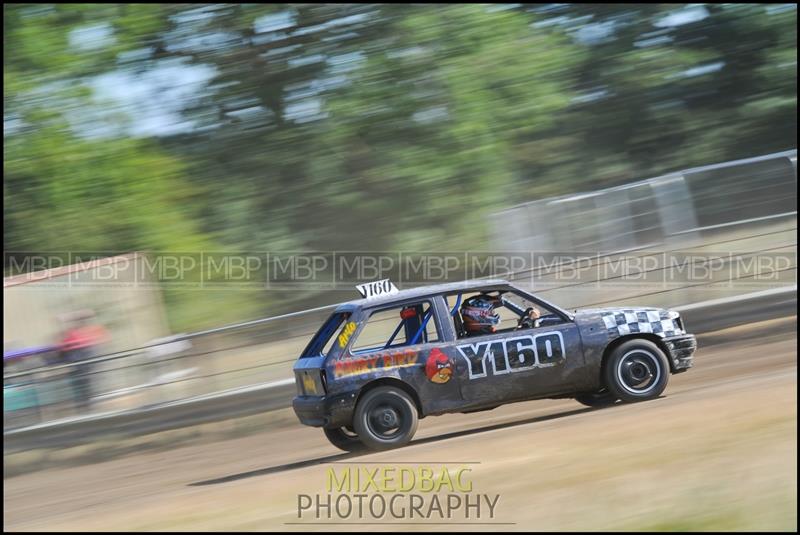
[380,363]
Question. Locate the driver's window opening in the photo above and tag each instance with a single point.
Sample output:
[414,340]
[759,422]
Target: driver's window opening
[496,311]
[399,326]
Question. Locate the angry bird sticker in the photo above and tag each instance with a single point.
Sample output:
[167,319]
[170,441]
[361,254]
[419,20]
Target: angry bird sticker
[438,368]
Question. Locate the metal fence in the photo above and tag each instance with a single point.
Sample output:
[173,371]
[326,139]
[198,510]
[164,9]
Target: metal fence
[688,205]
[189,367]
[183,367]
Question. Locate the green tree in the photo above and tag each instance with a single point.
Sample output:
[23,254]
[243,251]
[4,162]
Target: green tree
[369,127]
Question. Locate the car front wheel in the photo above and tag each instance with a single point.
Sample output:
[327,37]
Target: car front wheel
[385,418]
[344,438]
[601,398]
[637,370]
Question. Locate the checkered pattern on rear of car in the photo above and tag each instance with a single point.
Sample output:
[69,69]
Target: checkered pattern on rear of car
[647,320]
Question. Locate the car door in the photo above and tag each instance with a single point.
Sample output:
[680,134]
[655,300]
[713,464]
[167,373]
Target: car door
[519,363]
[558,358]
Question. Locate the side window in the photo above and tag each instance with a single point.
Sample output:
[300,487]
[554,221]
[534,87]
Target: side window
[509,312]
[546,315]
[508,319]
[398,326]
[343,336]
[339,324]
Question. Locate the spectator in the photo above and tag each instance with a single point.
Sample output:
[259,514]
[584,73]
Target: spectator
[79,344]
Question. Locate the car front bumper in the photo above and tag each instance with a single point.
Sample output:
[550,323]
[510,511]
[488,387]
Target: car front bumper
[327,411]
[681,351]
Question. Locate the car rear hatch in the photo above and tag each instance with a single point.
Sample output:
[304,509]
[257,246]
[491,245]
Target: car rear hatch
[309,370]
[309,376]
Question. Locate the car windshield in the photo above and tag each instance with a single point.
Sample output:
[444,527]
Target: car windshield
[323,341]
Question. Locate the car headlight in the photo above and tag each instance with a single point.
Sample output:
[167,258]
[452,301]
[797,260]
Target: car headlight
[676,317]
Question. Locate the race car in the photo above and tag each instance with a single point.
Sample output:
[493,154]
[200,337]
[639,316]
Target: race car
[379,364]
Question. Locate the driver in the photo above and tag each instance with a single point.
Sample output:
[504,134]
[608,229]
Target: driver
[479,316]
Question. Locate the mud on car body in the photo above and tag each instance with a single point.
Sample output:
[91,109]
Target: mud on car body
[380,363]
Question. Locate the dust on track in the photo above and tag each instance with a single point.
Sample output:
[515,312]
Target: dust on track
[717,451]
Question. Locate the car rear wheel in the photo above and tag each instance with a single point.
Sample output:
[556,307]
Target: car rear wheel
[385,418]
[601,398]
[637,370]
[344,438]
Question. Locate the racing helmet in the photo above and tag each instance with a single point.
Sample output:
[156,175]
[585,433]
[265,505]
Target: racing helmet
[478,315]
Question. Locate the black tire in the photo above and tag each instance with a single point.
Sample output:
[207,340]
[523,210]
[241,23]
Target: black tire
[601,398]
[344,439]
[637,370]
[385,418]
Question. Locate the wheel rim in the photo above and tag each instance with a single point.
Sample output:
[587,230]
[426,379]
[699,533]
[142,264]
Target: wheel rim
[639,371]
[385,420]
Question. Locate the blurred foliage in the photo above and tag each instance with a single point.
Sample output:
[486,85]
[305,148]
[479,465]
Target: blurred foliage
[361,126]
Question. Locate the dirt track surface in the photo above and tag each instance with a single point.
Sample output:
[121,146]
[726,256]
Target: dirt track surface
[717,451]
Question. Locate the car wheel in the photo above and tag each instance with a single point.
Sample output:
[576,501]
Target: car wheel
[637,370]
[385,418]
[344,438]
[601,398]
